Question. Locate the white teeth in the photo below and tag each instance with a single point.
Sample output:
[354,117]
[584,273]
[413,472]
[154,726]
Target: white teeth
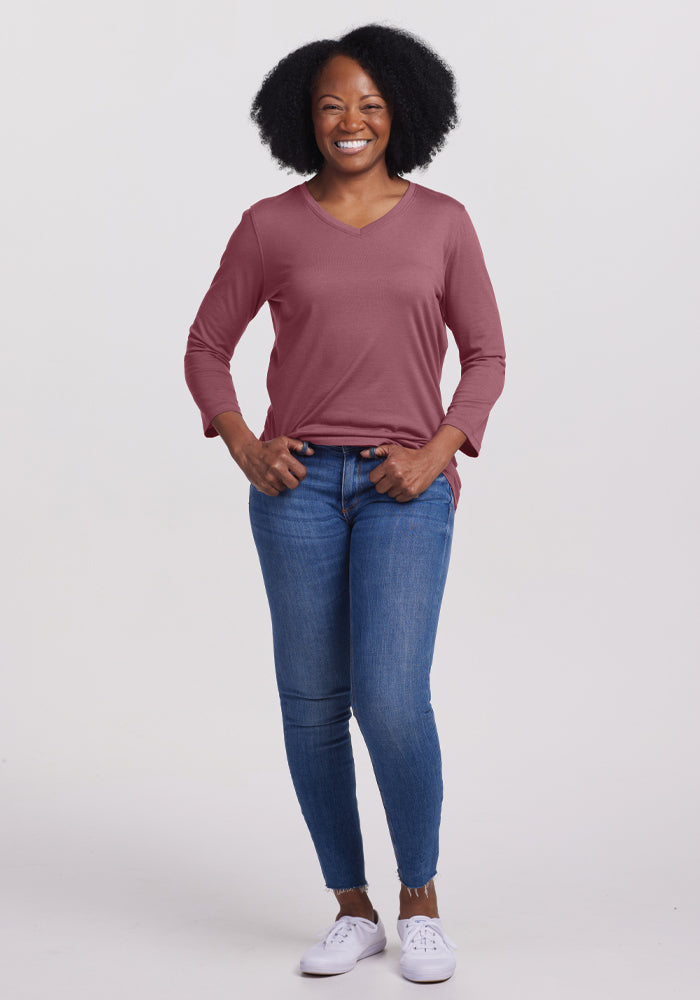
[352,144]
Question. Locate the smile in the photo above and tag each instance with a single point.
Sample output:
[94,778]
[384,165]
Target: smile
[351,143]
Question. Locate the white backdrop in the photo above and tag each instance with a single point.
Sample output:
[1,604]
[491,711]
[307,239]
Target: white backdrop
[151,841]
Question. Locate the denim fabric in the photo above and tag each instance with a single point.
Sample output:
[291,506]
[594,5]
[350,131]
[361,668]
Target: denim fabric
[354,581]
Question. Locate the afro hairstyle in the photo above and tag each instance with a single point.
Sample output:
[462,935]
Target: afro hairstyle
[418,86]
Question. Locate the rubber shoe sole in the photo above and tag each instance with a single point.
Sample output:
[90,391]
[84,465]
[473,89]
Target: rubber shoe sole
[430,971]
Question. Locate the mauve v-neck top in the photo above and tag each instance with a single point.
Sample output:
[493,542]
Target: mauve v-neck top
[359,318]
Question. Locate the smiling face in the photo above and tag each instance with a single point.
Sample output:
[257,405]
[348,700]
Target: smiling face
[348,108]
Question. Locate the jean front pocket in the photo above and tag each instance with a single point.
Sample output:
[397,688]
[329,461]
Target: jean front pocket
[443,482]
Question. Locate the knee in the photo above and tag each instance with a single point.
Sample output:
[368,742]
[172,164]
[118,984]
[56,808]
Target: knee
[306,711]
[389,719]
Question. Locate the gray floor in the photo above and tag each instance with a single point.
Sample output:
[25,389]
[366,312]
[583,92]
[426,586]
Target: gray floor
[134,887]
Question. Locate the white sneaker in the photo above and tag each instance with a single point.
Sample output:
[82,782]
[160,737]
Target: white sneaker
[426,955]
[343,944]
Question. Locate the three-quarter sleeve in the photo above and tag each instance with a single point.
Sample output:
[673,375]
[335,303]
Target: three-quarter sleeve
[471,313]
[235,296]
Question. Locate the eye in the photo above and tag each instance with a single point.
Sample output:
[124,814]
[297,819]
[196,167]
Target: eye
[367,107]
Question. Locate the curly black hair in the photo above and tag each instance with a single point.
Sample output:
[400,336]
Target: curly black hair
[418,86]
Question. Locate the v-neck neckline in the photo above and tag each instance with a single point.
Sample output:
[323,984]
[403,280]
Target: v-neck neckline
[345,227]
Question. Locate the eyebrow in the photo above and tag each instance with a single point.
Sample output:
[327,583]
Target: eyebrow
[340,98]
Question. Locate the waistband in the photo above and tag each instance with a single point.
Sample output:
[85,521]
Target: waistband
[340,449]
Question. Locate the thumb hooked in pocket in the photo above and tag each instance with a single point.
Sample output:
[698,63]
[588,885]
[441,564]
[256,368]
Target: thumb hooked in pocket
[376,451]
[302,447]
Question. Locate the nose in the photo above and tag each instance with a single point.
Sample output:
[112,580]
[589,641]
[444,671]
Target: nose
[352,121]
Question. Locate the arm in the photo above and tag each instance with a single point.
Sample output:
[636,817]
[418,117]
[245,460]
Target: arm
[443,445]
[235,296]
[235,432]
[471,313]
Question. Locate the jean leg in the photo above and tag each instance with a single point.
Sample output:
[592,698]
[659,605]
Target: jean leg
[399,557]
[303,548]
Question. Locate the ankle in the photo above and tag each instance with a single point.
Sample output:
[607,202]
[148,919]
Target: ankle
[355,903]
[418,902]
[358,911]
[405,913]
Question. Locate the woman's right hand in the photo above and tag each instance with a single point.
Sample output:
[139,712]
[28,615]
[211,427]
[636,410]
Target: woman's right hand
[271,466]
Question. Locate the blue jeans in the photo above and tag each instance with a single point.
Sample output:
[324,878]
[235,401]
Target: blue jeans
[354,580]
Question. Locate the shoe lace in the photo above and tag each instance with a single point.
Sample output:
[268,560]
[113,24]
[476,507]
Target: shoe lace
[339,930]
[422,934]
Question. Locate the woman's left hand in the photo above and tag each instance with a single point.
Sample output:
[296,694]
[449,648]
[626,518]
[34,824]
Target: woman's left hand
[405,473]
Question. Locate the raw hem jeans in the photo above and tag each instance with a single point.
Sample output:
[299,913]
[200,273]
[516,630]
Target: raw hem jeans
[354,580]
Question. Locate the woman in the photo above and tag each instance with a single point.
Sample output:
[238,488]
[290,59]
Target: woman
[353,481]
